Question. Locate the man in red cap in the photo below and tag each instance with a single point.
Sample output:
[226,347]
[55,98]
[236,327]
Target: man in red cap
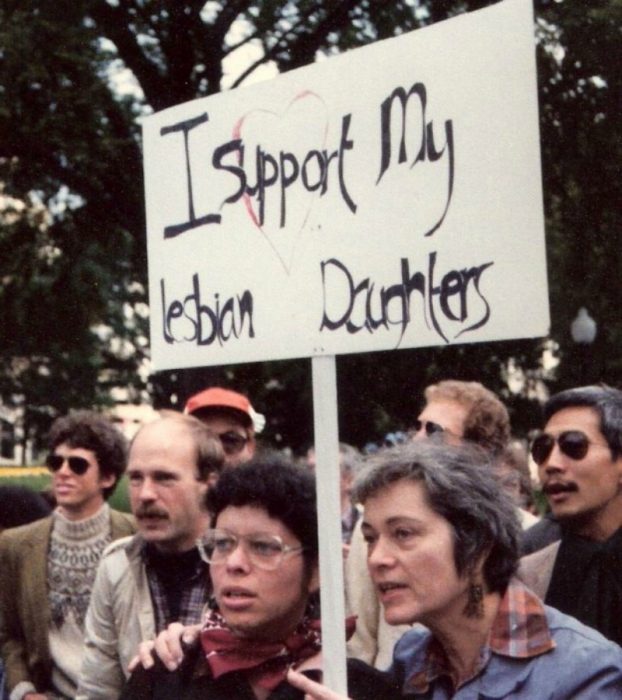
[229,415]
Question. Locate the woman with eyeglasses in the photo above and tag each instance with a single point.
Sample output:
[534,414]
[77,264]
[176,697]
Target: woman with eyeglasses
[263,555]
[442,551]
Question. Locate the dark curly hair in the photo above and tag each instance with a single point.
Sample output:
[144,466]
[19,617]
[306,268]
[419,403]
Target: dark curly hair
[93,431]
[285,492]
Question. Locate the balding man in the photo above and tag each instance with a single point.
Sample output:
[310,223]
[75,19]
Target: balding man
[156,577]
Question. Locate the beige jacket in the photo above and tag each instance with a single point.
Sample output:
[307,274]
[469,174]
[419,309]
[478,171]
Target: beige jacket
[536,569]
[120,616]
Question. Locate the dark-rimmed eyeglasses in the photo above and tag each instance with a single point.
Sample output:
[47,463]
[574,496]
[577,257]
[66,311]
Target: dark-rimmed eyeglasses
[572,443]
[232,442]
[430,427]
[264,551]
[78,465]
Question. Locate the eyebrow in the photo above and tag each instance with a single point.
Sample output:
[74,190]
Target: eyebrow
[394,519]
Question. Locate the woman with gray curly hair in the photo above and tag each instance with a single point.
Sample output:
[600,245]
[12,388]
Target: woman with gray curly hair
[443,548]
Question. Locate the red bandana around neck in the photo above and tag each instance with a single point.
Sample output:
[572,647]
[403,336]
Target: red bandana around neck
[266,662]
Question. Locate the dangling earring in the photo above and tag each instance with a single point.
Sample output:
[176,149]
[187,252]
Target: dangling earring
[475,603]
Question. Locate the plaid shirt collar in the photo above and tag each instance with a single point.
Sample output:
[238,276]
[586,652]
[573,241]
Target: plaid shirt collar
[193,595]
[519,631]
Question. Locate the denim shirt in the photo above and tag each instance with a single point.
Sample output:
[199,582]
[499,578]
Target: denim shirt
[580,665]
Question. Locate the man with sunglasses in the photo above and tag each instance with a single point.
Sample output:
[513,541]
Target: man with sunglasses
[455,411]
[47,568]
[579,458]
[231,417]
[156,577]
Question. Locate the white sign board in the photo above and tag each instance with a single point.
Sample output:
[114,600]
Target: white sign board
[387,197]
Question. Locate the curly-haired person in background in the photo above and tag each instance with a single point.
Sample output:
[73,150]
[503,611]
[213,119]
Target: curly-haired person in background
[47,567]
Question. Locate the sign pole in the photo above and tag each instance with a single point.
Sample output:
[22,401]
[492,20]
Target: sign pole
[329,521]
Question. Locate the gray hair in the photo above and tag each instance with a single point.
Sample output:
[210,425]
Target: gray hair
[460,486]
[350,459]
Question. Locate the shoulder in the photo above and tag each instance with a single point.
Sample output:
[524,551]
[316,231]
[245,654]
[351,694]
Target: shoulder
[121,551]
[533,562]
[543,533]
[568,632]
[591,661]
[23,534]
[123,523]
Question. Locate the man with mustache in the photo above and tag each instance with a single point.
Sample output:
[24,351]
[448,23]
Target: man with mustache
[579,456]
[156,577]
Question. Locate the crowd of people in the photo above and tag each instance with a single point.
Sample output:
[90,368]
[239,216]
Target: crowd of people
[456,585]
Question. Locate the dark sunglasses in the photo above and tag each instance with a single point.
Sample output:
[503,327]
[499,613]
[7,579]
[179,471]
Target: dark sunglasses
[572,443]
[78,465]
[232,442]
[430,427]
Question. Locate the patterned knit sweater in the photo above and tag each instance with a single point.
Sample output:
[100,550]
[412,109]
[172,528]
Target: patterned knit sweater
[75,550]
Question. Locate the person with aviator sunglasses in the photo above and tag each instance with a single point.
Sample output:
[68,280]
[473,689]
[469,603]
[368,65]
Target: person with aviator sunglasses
[230,416]
[47,567]
[579,458]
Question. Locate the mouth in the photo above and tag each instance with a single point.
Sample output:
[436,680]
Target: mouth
[236,592]
[389,589]
[235,598]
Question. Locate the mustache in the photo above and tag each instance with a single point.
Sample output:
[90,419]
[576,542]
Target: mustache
[150,512]
[559,487]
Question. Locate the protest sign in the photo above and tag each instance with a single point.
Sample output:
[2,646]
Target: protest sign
[386,198]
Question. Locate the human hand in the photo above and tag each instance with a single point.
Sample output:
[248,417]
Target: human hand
[311,689]
[168,645]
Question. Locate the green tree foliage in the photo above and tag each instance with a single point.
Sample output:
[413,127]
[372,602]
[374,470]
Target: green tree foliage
[73,258]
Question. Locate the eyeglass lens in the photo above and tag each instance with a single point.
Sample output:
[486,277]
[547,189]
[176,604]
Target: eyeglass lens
[264,551]
[232,442]
[430,427]
[78,465]
[572,443]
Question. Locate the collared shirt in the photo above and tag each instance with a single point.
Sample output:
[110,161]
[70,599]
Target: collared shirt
[179,586]
[518,631]
[527,646]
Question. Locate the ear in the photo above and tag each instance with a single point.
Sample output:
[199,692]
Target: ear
[107,480]
[203,487]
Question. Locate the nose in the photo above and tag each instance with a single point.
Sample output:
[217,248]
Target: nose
[147,491]
[238,559]
[380,555]
[419,434]
[64,469]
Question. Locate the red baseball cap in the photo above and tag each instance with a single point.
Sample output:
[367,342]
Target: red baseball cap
[217,397]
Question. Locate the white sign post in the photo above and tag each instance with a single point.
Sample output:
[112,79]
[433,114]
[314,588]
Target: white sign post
[389,197]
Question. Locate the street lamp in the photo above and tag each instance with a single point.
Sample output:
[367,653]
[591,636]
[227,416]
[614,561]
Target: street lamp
[583,331]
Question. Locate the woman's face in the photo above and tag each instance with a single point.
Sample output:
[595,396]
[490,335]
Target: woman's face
[258,603]
[411,557]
